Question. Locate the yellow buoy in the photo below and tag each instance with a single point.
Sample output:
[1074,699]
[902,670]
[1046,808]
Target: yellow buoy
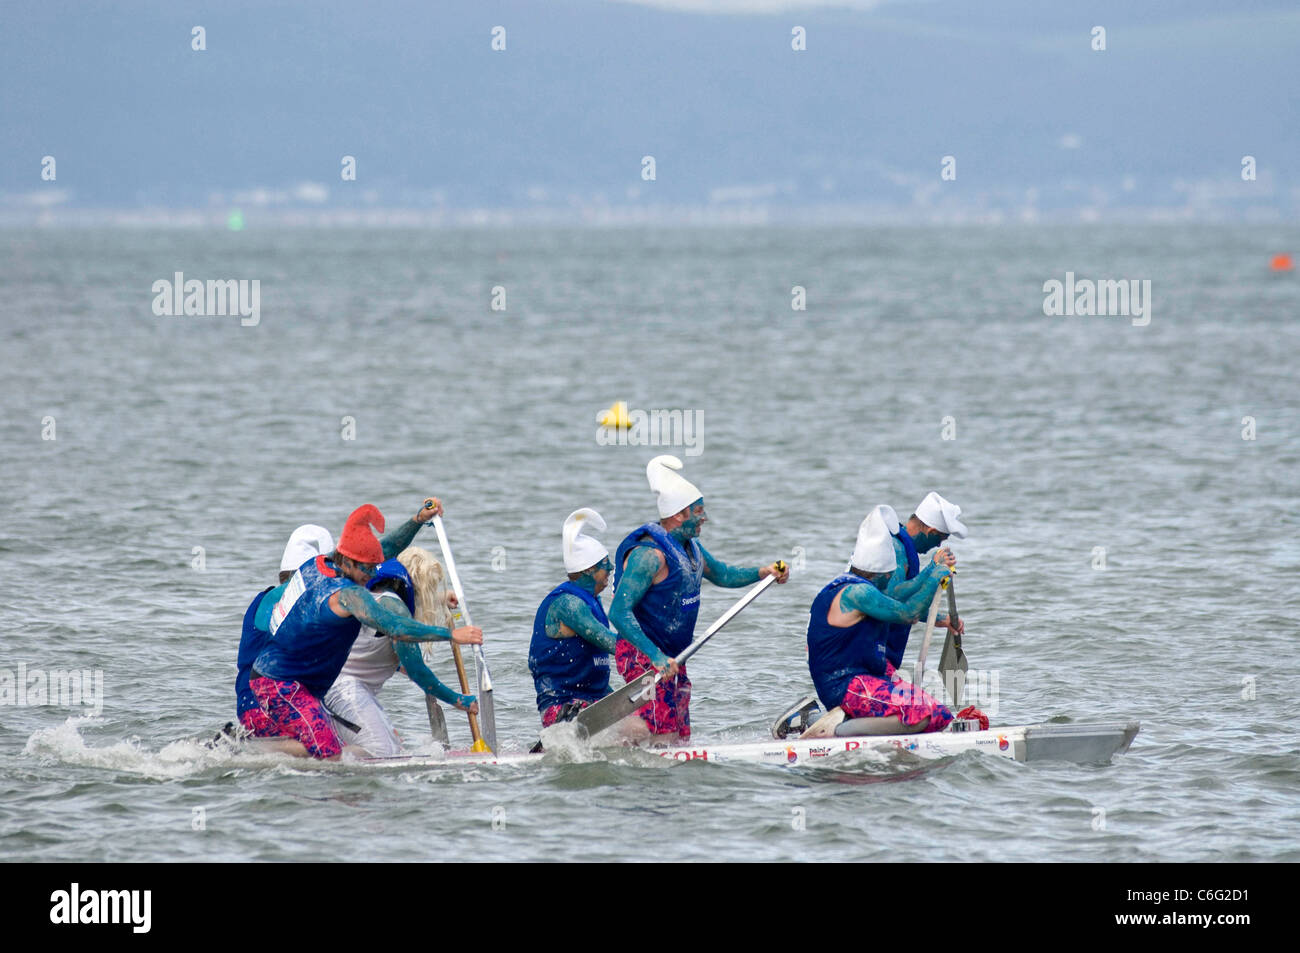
[616,416]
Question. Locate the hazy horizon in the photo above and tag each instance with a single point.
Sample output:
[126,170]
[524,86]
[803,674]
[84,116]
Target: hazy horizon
[894,112]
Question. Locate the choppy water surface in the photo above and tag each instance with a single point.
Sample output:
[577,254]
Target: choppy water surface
[1072,433]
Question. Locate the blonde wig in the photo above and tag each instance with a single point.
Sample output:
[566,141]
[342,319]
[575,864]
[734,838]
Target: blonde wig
[430,590]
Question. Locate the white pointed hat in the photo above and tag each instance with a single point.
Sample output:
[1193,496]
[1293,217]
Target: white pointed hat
[580,550]
[874,551]
[936,512]
[674,491]
[306,542]
[888,516]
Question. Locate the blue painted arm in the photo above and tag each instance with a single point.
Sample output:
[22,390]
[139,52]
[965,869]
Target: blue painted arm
[397,625]
[870,601]
[728,577]
[408,653]
[901,588]
[637,578]
[575,613]
[266,606]
[400,538]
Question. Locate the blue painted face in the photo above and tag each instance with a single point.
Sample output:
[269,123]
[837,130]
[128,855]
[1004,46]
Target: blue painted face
[695,520]
[598,575]
[926,541]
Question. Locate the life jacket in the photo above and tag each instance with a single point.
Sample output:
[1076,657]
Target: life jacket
[668,610]
[896,644]
[836,655]
[309,642]
[567,668]
[251,642]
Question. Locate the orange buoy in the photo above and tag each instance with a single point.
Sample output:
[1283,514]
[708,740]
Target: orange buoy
[1282,263]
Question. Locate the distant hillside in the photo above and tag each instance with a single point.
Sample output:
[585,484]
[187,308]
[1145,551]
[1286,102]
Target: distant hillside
[558,122]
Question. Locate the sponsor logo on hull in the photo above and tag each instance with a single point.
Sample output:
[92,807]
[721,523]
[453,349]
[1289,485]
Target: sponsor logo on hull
[683,755]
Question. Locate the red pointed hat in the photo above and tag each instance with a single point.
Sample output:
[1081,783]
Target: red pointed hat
[358,540]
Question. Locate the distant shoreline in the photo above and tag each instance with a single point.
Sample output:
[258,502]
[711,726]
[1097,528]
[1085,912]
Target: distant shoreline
[690,216]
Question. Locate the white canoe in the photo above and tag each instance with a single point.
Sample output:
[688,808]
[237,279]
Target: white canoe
[1082,744]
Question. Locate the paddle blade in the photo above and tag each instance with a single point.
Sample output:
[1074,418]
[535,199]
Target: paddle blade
[487,715]
[437,722]
[616,706]
[952,661]
[953,666]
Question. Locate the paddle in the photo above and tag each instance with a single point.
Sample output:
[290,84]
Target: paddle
[437,721]
[929,631]
[464,690]
[633,696]
[952,661]
[488,740]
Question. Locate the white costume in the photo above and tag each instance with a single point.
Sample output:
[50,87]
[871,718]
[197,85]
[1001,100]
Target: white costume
[371,662]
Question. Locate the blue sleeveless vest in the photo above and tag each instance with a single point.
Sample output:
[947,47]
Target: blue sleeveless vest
[251,642]
[899,631]
[564,669]
[309,643]
[836,655]
[667,611]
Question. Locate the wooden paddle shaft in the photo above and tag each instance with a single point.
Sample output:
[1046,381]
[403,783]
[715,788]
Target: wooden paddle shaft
[464,690]
[485,680]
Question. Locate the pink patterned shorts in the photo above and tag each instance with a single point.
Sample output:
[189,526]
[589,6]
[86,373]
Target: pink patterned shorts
[871,697]
[552,714]
[256,723]
[670,712]
[293,712]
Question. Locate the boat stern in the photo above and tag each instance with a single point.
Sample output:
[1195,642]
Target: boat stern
[1082,744]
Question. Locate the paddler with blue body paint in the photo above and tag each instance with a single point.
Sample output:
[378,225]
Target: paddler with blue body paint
[306,542]
[933,522]
[572,641]
[316,621]
[658,570]
[410,585]
[848,629]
